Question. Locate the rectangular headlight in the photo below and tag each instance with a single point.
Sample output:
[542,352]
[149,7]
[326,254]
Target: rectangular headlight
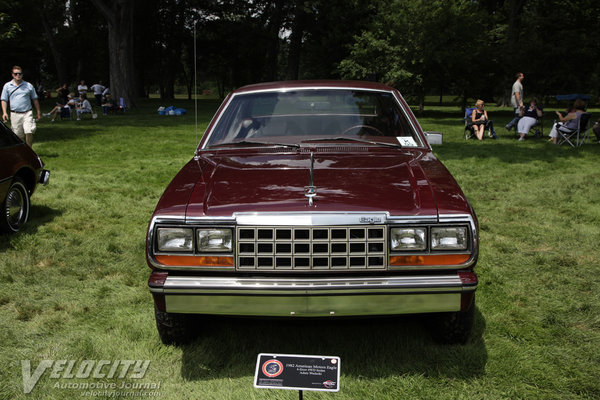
[454,238]
[175,239]
[403,239]
[211,240]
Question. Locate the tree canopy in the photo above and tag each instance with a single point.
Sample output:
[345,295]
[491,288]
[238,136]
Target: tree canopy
[470,48]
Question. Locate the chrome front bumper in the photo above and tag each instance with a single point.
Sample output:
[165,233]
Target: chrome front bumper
[308,297]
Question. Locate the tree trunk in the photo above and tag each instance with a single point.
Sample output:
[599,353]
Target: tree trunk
[293,67]
[272,52]
[515,10]
[60,67]
[188,82]
[119,16]
[167,85]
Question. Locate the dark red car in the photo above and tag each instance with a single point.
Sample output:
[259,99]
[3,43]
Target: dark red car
[20,172]
[313,199]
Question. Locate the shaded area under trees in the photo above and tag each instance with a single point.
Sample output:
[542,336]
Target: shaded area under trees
[465,48]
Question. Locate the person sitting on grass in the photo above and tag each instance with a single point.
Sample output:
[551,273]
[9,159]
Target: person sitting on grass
[84,107]
[480,121]
[529,116]
[70,104]
[569,122]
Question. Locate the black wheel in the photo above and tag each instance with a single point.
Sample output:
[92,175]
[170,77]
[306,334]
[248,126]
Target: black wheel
[15,208]
[452,327]
[173,328]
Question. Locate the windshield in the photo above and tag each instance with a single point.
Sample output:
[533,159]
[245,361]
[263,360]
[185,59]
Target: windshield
[315,114]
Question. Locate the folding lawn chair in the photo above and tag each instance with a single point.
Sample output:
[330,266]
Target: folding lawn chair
[576,137]
[469,132]
[65,112]
[538,129]
[585,133]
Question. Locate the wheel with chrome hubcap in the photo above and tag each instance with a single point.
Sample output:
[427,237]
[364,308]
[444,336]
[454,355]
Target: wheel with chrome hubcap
[15,208]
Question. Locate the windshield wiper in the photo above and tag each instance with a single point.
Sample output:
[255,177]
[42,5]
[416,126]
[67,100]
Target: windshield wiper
[341,138]
[253,143]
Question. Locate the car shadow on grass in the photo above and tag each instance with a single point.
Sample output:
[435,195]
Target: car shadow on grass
[38,216]
[368,347]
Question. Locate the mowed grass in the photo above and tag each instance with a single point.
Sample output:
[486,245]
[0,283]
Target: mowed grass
[73,283]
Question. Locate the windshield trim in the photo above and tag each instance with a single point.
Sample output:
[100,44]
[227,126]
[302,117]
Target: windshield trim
[412,120]
[226,103]
[252,143]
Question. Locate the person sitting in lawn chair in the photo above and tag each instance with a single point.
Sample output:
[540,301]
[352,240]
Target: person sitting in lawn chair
[480,121]
[109,105]
[84,106]
[56,111]
[596,130]
[529,117]
[569,122]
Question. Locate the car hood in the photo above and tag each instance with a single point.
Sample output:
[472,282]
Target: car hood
[402,183]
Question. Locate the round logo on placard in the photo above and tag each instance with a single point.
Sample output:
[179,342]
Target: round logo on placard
[329,384]
[272,368]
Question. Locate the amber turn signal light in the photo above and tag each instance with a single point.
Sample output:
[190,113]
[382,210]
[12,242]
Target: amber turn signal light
[438,259]
[195,261]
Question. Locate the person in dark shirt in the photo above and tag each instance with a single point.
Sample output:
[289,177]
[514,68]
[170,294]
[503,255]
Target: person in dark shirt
[63,93]
[480,121]
[529,116]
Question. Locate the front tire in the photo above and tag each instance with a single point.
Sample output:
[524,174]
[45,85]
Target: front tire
[15,207]
[452,327]
[173,328]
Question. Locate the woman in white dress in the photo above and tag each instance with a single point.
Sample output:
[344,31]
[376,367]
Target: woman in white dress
[529,116]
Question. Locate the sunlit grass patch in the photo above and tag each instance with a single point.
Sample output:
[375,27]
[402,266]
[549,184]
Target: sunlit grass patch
[73,283]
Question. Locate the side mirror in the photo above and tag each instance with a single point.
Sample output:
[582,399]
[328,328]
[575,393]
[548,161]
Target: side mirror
[434,137]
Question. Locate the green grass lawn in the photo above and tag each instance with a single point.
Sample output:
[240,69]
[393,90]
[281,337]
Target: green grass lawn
[73,283]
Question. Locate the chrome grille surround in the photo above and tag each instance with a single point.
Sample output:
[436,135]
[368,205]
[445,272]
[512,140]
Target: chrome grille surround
[317,248]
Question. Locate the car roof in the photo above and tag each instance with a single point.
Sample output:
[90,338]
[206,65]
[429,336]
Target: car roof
[313,84]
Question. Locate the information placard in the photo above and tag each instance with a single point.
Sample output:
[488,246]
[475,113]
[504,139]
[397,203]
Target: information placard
[297,372]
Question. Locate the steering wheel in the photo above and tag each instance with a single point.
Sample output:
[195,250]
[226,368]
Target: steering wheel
[366,127]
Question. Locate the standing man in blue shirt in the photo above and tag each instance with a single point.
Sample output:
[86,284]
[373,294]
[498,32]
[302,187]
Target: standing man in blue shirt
[20,95]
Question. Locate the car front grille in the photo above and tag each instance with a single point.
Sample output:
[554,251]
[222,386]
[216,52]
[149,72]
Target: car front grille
[311,248]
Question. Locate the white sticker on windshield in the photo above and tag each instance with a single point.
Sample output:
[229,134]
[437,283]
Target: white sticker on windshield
[406,141]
